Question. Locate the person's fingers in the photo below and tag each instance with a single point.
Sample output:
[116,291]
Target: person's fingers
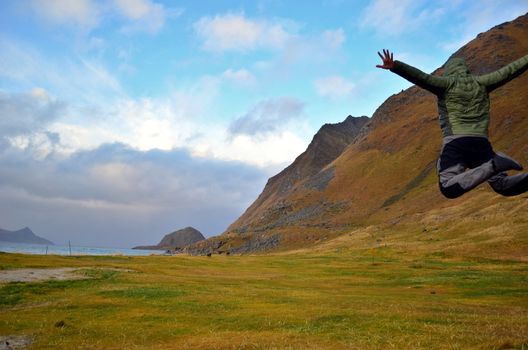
[379,54]
[392,57]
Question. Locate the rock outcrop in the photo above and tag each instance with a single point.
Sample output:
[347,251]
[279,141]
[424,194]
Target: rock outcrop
[177,240]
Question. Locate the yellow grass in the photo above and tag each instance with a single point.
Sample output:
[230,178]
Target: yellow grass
[377,295]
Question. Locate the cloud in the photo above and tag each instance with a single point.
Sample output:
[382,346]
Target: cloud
[235,32]
[83,13]
[180,122]
[268,116]
[138,9]
[241,77]
[25,119]
[389,18]
[26,113]
[140,15]
[118,196]
[97,112]
[144,15]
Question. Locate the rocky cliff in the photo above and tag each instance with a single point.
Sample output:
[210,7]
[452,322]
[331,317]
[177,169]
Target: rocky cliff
[384,175]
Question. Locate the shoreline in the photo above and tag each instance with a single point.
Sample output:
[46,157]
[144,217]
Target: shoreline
[38,249]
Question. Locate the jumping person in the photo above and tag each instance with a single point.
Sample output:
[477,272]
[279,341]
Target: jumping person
[467,158]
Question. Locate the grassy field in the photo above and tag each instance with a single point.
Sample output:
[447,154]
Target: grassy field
[377,298]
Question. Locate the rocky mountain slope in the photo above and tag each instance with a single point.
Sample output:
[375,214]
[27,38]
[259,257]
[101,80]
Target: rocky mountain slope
[327,144]
[24,235]
[385,177]
[177,239]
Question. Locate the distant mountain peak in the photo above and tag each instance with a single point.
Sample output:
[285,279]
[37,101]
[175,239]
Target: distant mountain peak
[24,235]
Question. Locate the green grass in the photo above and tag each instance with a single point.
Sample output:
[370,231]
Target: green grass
[362,299]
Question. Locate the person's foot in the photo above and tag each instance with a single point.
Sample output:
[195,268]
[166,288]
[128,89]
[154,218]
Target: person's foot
[502,162]
[509,185]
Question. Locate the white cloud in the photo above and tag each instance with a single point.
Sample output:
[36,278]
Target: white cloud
[140,15]
[144,15]
[268,136]
[390,18]
[84,13]
[143,124]
[272,151]
[334,87]
[241,77]
[137,9]
[235,32]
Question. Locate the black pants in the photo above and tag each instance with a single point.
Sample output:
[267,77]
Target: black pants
[459,155]
[466,162]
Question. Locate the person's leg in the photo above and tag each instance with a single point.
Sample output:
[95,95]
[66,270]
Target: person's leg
[451,163]
[469,152]
[509,185]
[452,190]
[455,181]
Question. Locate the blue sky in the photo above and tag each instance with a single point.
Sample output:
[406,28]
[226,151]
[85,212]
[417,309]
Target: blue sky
[123,120]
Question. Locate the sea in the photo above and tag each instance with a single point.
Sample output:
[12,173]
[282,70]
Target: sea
[40,249]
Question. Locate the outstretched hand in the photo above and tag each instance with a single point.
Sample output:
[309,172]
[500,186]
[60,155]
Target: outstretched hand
[387,58]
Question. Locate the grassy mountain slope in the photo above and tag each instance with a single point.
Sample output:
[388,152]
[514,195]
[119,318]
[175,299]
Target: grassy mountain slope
[384,182]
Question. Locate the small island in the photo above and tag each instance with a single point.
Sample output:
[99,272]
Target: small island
[176,240]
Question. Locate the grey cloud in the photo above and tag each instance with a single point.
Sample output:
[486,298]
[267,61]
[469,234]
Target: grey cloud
[27,112]
[268,116]
[117,196]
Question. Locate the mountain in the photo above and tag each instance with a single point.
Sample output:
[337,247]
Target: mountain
[327,144]
[383,184]
[177,239]
[24,235]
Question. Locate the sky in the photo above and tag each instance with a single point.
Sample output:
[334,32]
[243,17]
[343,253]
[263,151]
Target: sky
[124,120]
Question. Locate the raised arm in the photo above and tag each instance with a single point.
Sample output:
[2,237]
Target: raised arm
[505,74]
[429,82]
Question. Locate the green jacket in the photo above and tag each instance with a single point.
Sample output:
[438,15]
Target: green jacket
[463,98]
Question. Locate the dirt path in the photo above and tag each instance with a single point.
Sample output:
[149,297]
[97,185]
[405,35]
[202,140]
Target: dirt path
[12,342]
[36,275]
